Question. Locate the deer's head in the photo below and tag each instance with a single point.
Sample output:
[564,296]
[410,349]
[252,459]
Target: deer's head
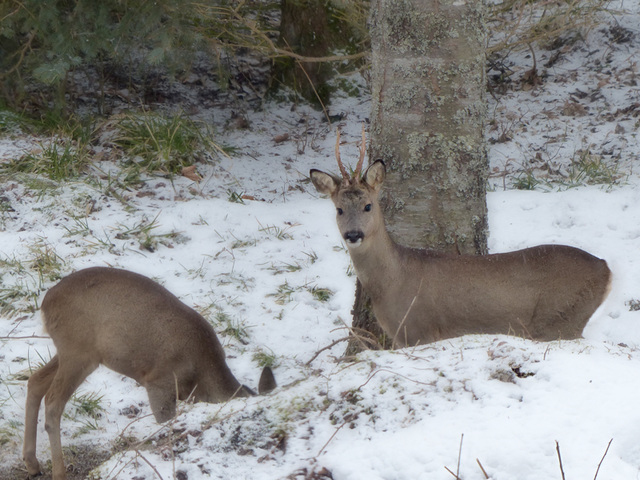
[355,197]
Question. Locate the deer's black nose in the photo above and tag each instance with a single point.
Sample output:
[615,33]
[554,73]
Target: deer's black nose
[354,236]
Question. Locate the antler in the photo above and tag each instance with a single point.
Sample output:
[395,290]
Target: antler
[363,152]
[343,170]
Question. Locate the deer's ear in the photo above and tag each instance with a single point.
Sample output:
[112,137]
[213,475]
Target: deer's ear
[267,381]
[375,174]
[324,183]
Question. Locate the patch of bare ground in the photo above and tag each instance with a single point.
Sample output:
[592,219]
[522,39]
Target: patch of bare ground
[79,459]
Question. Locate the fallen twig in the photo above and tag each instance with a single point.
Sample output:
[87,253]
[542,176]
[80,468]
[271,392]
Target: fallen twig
[148,463]
[396,374]
[367,340]
[332,437]
[331,345]
[26,337]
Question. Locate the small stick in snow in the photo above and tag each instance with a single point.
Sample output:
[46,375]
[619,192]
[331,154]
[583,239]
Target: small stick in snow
[148,463]
[560,459]
[602,459]
[331,345]
[392,373]
[457,474]
[459,450]
[454,475]
[332,437]
[482,468]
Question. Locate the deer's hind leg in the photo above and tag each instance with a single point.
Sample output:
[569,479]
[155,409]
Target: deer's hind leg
[565,318]
[70,374]
[37,387]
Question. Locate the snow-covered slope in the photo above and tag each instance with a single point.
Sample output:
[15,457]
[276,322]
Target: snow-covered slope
[272,275]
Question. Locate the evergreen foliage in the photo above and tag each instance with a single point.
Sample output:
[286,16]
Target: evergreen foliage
[41,42]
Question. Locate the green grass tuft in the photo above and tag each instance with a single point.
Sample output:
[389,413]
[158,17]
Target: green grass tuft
[280,233]
[60,159]
[591,169]
[320,294]
[264,359]
[88,404]
[162,144]
[283,294]
[231,327]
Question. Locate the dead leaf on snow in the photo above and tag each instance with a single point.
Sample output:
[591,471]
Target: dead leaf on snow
[573,109]
[281,138]
[191,173]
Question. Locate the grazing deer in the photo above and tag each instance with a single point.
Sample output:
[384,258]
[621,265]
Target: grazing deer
[134,326]
[419,296]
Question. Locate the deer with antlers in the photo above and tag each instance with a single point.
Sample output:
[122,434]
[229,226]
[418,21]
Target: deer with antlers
[547,292]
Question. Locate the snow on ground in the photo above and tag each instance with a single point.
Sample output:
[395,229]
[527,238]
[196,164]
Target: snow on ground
[257,270]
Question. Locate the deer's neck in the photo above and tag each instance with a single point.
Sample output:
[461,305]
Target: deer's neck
[377,262]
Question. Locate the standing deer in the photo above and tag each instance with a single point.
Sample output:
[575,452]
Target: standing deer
[420,296]
[134,326]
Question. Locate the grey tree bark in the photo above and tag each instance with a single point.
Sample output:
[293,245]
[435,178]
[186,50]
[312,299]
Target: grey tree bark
[428,109]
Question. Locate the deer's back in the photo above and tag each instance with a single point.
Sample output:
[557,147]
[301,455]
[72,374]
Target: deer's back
[129,322]
[545,292]
[544,267]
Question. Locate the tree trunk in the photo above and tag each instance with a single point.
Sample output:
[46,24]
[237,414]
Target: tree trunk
[304,28]
[427,119]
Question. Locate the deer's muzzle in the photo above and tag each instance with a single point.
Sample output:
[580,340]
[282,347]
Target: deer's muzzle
[354,237]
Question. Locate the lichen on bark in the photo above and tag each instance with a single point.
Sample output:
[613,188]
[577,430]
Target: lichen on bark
[427,118]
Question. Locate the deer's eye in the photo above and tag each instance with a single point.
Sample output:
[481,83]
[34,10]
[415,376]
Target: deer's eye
[340,211]
[367,207]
